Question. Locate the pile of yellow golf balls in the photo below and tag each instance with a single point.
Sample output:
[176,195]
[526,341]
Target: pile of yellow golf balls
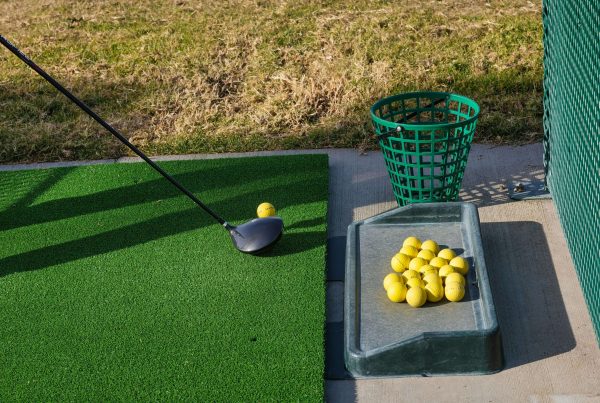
[423,272]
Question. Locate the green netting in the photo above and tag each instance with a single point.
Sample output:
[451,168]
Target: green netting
[572,133]
[425,138]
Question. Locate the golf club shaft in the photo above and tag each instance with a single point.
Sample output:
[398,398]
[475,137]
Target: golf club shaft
[108,127]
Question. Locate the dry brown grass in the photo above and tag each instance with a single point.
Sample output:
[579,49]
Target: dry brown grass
[183,76]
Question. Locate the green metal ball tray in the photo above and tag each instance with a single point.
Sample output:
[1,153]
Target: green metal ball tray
[382,338]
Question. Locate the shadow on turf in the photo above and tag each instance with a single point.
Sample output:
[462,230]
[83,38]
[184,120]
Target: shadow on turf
[293,243]
[138,192]
[140,233]
[104,242]
[151,229]
[34,183]
[533,321]
[306,223]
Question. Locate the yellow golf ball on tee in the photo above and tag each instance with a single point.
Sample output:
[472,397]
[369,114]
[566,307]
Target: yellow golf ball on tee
[265,210]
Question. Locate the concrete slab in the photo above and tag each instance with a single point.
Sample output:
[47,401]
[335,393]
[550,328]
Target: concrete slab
[335,294]
[549,345]
[548,340]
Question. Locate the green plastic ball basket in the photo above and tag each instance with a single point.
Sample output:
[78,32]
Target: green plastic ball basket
[425,138]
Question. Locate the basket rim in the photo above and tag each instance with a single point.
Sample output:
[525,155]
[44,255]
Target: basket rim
[424,94]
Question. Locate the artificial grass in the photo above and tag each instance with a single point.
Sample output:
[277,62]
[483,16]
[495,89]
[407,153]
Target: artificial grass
[114,286]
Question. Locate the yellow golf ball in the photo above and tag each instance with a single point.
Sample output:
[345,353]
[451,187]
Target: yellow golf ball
[438,262]
[432,278]
[396,292]
[425,270]
[408,274]
[455,278]
[410,251]
[447,254]
[460,264]
[265,210]
[416,297]
[426,254]
[416,263]
[430,245]
[400,262]
[392,278]
[445,270]
[454,292]
[412,241]
[415,282]
[434,291]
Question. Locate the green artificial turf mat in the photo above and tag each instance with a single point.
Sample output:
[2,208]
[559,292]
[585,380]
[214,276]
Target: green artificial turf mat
[114,286]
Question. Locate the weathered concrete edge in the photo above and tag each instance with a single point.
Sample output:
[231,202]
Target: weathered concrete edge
[43,165]
[181,157]
[46,165]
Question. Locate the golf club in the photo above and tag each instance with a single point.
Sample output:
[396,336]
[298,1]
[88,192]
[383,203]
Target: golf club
[252,237]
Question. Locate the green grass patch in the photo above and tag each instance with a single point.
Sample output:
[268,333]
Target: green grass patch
[114,286]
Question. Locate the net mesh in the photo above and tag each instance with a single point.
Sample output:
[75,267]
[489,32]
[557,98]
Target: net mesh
[572,133]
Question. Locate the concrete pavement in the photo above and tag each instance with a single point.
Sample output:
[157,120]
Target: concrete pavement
[549,345]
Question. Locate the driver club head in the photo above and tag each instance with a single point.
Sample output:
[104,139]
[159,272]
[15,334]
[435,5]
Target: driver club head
[256,236]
